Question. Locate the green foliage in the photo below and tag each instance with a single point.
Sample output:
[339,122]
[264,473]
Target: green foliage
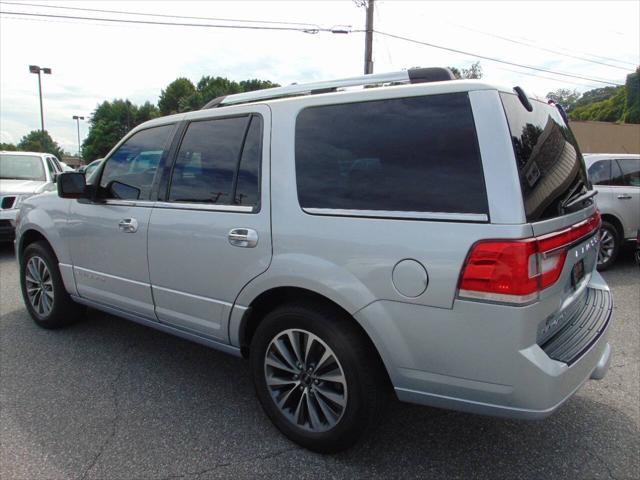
[172,98]
[632,108]
[110,122]
[473,72]
[608,110]
[8,147]
[39,141]
[565,97]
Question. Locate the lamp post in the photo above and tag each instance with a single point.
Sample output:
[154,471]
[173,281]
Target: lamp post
[39,70]
[77,119]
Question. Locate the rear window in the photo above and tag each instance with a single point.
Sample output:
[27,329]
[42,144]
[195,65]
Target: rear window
[550,165]
[417,154]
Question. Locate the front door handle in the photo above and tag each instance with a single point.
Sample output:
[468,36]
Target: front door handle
[624,196]
[243,237]
[128,225]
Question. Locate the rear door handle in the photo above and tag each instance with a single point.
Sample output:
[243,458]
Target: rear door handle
[243,237]
[624,196]
[128,225]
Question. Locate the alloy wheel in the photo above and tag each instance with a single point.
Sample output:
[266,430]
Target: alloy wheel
[305,380]
[39,285]
[607,246]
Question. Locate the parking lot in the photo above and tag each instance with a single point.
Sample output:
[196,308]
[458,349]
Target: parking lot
[110,399]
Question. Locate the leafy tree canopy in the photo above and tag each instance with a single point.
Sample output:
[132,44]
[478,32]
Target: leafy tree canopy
[39,141]
[9,147]
[565,97]
[172,96]
[473,72]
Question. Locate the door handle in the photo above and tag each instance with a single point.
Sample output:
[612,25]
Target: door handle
[624,196]
[128,225]
[243,237]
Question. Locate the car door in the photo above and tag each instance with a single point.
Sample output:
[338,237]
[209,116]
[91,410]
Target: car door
[210,235]
[600,174]
[108,235]
[627,195]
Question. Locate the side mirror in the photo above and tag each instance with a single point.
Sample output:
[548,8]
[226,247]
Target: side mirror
[71,185]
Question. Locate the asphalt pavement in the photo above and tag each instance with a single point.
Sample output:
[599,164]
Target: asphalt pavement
[109,399]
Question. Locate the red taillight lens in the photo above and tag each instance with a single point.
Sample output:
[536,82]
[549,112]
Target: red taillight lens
[514,271]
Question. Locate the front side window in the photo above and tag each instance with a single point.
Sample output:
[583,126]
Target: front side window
[21,167]
[51,167]
[211,152]
[417,154]
[129,172]
[630,171]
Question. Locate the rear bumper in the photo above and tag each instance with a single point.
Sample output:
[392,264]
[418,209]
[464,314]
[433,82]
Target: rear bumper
[483,358]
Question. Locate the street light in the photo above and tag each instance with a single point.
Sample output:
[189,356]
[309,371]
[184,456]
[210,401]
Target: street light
[77,119]
[38,70]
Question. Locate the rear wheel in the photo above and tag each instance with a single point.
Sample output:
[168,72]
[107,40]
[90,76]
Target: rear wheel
[43,292]
[317,377]
[609,246]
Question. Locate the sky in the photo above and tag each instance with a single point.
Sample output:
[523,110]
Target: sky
[93,61]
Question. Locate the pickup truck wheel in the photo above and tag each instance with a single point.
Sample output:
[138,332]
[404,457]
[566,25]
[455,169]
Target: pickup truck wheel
[43,292]
[318,379]
[609,246]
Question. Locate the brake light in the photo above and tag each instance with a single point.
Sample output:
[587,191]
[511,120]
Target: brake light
[514,271]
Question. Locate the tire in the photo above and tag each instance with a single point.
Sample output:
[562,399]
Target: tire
[355,402]
[52,307]
[609,246]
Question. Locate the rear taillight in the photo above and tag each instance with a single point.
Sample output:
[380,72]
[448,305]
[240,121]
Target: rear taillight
[514,271]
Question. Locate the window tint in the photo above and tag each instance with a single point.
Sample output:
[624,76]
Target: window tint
[630,171]
[600,172]
[207,161]
[57,164]
[248,184]
[129,172]
[51,167]
[550,165]
[409,154]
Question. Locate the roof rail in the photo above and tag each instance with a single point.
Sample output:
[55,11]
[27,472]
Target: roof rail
[413,75]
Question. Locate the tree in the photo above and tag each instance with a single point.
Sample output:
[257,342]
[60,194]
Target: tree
[632,107]
[171,98]
[565,97]
[473,72]
[8,147]
[39,141]
[110,122]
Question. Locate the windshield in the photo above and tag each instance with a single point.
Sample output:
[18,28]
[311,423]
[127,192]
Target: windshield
[21,167]
[551,169]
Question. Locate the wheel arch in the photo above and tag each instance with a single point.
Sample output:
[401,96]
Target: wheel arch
[615,221]
[274,297]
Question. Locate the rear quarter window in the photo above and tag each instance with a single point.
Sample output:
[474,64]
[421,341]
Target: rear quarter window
[417,154]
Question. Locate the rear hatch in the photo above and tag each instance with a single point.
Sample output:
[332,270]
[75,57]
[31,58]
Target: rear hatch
[559,204]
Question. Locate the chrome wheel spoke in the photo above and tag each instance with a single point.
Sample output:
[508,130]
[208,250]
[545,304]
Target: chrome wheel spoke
[39,286]
[305,380]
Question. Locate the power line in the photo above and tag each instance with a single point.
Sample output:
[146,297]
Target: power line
[497,60]
[563,81]
[175,24]
[544,49]
[122,12]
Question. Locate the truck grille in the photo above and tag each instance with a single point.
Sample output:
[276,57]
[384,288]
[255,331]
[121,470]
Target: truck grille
[7,202]
[583,329]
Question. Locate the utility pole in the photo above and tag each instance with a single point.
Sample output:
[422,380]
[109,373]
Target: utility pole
[368,40]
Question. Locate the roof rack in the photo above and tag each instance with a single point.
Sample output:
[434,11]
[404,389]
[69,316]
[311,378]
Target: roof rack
[413,75]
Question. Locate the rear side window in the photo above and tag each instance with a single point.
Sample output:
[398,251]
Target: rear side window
[417,154]
[600,173]
[550,165]
[211,154]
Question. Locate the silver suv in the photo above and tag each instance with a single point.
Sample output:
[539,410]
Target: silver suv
[436,239]
[617,179]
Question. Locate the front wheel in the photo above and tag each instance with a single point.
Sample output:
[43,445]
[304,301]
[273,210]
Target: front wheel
[317,377]
[43,292]
[609,246]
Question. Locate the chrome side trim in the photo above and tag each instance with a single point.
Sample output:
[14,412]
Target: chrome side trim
[160,326]
[130,203]
[191,295]
[209,207]
[456,217]
[135,282]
